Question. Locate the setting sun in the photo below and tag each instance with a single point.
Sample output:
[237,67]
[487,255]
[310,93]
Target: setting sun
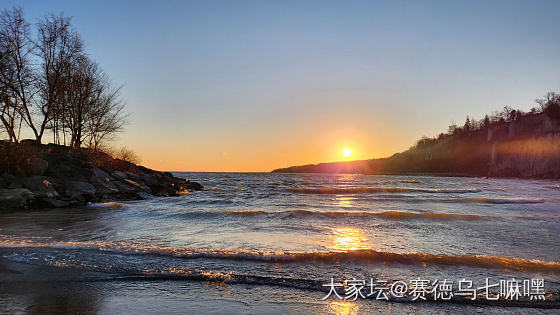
[346,152]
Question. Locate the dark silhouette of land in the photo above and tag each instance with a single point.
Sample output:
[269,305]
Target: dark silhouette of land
[54,176]
[510,143]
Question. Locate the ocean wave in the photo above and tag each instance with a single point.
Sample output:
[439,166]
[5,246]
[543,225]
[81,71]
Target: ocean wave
[366,256]
[245,212]
[393,215]
[387,215]
[358,190]
[107,205]
[502,200]
[318,285]
[225,277]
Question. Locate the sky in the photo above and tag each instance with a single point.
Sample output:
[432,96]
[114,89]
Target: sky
[258,85]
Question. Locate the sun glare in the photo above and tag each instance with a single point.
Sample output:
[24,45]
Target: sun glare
[346,152]
[345,239]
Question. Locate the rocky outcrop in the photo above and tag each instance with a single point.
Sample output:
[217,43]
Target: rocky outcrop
[18,198]
[63,178]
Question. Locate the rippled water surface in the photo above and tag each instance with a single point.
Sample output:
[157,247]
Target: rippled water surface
[291,233]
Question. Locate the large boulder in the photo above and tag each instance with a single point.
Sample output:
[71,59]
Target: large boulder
[162,190]
[15,199]
[127,190]
[105,190]
[149,179]
[78,190]
[140,186]
[130,175]
[100,174]
[118,175]
[193,185]
[11,182]
[103,183]
[44,192]
[41,186]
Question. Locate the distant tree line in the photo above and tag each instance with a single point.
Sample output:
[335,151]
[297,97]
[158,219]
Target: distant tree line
[49,85]
[549,105]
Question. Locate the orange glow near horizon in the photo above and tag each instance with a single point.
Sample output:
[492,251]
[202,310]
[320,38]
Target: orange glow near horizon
[261,148]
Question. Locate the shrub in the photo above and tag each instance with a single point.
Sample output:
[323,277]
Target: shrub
[16,158]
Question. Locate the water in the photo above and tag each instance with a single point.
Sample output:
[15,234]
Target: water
[255,243]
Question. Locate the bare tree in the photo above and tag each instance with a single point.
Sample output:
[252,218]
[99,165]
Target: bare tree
[58,48]
[51,85]
[107,117]
[91,108]
[78,96]
[16,73]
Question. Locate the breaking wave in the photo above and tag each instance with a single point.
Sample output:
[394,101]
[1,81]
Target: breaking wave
[395,215]
[107,205]
[387,215]
[358,190]
[366,256]
[503,200]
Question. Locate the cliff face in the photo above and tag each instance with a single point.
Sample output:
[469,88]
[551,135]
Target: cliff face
[535,157]
[528,147]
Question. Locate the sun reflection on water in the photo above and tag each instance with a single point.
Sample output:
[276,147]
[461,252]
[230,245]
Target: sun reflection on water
[345,201]
[343,308]
[348,239]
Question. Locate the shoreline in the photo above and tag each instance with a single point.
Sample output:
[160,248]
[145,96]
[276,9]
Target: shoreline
[29,287]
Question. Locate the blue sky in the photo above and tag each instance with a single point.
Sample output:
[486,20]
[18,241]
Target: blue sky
[255,85]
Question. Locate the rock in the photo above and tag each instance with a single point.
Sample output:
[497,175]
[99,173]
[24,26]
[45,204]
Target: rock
[127,190]
[145,195]
[98,173]
[118,175]
[132,176]
[139,186]
[103,189]
[14,199]
[163,191]
[103,183]
[194,185]
[124,187]
[44,192]
[37,166]
[81,191]
[11,182]
[149,179]
[41,186]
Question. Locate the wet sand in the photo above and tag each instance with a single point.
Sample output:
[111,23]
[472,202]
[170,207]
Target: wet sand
[26,288]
